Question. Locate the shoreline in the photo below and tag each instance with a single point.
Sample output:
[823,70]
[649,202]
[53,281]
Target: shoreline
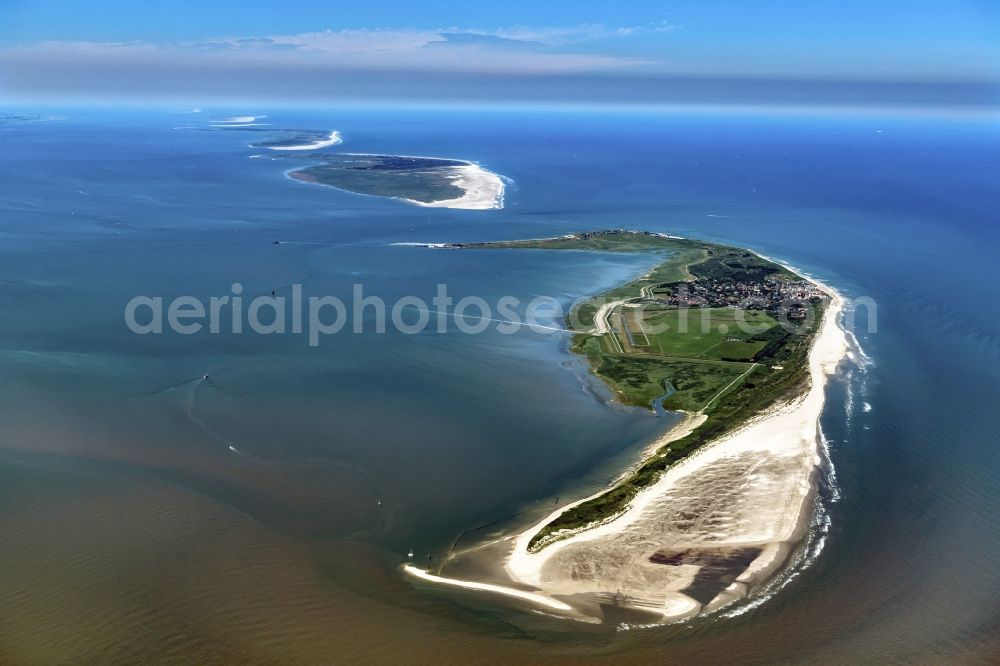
[484,190]
[237,119]
[765,479]
[539,599]
[332,140]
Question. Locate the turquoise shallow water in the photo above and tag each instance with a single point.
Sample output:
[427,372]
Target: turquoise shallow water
[134,531]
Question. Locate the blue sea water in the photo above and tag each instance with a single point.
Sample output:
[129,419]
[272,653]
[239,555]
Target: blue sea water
[280,494]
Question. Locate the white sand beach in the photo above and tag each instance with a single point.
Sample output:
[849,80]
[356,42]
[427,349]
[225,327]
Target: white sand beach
[710,529]
[433,246]
[540,599]
[332,140]
[484,190]
[239,119]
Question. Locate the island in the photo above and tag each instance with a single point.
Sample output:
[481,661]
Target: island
[430,182]
[12,118]
[301,140]
[238,123]
[278,138]
[424,181]
[741,347]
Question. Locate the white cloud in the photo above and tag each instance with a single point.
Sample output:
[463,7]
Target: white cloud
[513,50]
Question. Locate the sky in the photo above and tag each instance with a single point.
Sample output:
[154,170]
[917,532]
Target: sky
[909,52]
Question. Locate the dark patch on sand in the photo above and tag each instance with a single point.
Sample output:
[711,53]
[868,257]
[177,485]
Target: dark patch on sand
[719,567]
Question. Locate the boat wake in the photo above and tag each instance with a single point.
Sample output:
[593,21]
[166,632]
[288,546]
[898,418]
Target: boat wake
[188,407]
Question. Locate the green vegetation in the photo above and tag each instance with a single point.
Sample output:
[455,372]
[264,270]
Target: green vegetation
[417,178]
[638,380]
[293,138]
[719,330]
[722,333]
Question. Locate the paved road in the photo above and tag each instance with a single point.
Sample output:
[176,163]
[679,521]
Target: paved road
[601,325]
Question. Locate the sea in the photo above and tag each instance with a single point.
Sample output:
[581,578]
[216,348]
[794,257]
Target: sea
[244,497]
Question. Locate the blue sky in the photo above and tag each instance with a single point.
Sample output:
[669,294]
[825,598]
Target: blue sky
[383,49]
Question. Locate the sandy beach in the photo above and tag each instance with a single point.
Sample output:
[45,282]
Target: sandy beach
[238,119]
[710,529]
[332,140]
[484,190]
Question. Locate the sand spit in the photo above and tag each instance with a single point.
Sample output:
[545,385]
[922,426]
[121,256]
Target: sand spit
[540,599]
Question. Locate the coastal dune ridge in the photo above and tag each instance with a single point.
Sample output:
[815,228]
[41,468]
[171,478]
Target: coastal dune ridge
[480,188]
[483,190]
[333,139]
[238,120]
[714,526]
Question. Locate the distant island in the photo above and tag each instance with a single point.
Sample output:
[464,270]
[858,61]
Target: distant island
[430,182]
[741,346]
[425,181]
[12,118]
[301,140]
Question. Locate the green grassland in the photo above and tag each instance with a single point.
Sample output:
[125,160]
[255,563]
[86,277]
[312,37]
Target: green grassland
[638,380]
[713,333]
[293,138]
[422,179]
[723,362]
